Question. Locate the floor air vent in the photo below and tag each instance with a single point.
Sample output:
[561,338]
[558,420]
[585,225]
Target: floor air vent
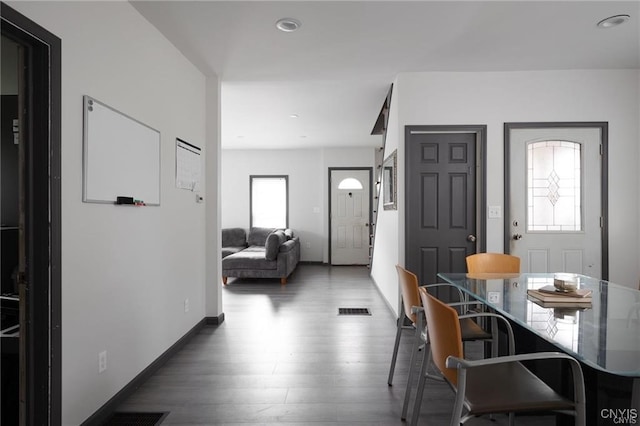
[354,311]
[136,419]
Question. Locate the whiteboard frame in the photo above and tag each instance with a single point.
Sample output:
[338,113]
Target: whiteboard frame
[88,101]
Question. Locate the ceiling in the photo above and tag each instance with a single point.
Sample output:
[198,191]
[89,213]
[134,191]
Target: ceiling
[335,71]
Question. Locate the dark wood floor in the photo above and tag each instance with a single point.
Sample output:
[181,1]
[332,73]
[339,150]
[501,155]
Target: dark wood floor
[283,355]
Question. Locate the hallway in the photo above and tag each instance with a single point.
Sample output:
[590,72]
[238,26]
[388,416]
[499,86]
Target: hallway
[283,355]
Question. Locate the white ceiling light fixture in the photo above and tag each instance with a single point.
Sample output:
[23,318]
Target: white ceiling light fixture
[293,116]
[613,21]
[288,25]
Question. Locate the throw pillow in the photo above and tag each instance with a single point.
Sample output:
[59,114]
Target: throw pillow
[258,236]
[234,237]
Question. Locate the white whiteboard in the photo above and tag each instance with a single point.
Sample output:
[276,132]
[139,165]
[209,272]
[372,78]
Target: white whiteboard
[121,156]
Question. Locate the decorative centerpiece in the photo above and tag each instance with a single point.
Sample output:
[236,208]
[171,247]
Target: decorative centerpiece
[564,292]
[565,282]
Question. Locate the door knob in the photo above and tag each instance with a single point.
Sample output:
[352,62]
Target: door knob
[471,238]
[517,237]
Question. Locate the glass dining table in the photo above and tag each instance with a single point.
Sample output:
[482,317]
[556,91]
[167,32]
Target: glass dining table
[603,334]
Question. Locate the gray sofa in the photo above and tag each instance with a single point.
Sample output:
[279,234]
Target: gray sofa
[264,253]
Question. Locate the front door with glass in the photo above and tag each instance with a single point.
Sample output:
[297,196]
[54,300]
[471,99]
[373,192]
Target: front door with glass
[555,200]
[350,216]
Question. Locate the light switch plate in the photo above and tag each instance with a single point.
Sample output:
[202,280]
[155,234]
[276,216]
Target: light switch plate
[102,361]
[495,212]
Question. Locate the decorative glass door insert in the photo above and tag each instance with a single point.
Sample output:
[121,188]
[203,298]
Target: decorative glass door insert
[554,194]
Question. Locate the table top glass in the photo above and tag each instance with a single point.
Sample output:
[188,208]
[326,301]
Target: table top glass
[604,335]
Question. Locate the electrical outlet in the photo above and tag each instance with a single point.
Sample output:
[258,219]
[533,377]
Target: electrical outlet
[102,361]
[308,245]
[186,305]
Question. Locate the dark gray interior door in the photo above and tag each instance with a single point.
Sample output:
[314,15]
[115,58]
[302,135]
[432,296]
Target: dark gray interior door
[441,202]
[38,276]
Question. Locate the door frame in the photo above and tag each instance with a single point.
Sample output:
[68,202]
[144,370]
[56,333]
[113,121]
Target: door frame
[330,193]
[604,183]
[42,403]
[480,131]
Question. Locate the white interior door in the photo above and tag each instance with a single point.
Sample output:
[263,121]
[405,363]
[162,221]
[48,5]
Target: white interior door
[350,191]
[555,199]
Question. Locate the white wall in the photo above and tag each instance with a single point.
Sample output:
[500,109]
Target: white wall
[308,188]
[493,98]
[125,271]
[213,159]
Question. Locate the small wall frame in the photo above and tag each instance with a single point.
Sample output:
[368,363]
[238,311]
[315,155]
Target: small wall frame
[390,182]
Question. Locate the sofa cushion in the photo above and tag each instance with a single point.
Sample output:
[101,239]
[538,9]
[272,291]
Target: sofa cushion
[288,233]
[272,245]
[234,237]
[226,251]
[251,258]
[258,236]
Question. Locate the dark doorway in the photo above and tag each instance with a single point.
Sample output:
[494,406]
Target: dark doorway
[445,201]
[35,280]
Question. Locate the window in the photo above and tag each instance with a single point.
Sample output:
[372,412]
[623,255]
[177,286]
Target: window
[350,183]
[554,186]
[269,197]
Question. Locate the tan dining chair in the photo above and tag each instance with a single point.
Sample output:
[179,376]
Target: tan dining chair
[492,385]
[492,263]
[412,317]
[410,297]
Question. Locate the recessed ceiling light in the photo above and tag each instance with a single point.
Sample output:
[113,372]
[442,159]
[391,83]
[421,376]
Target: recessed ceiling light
[613,21]
[288,24]
[294,116]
